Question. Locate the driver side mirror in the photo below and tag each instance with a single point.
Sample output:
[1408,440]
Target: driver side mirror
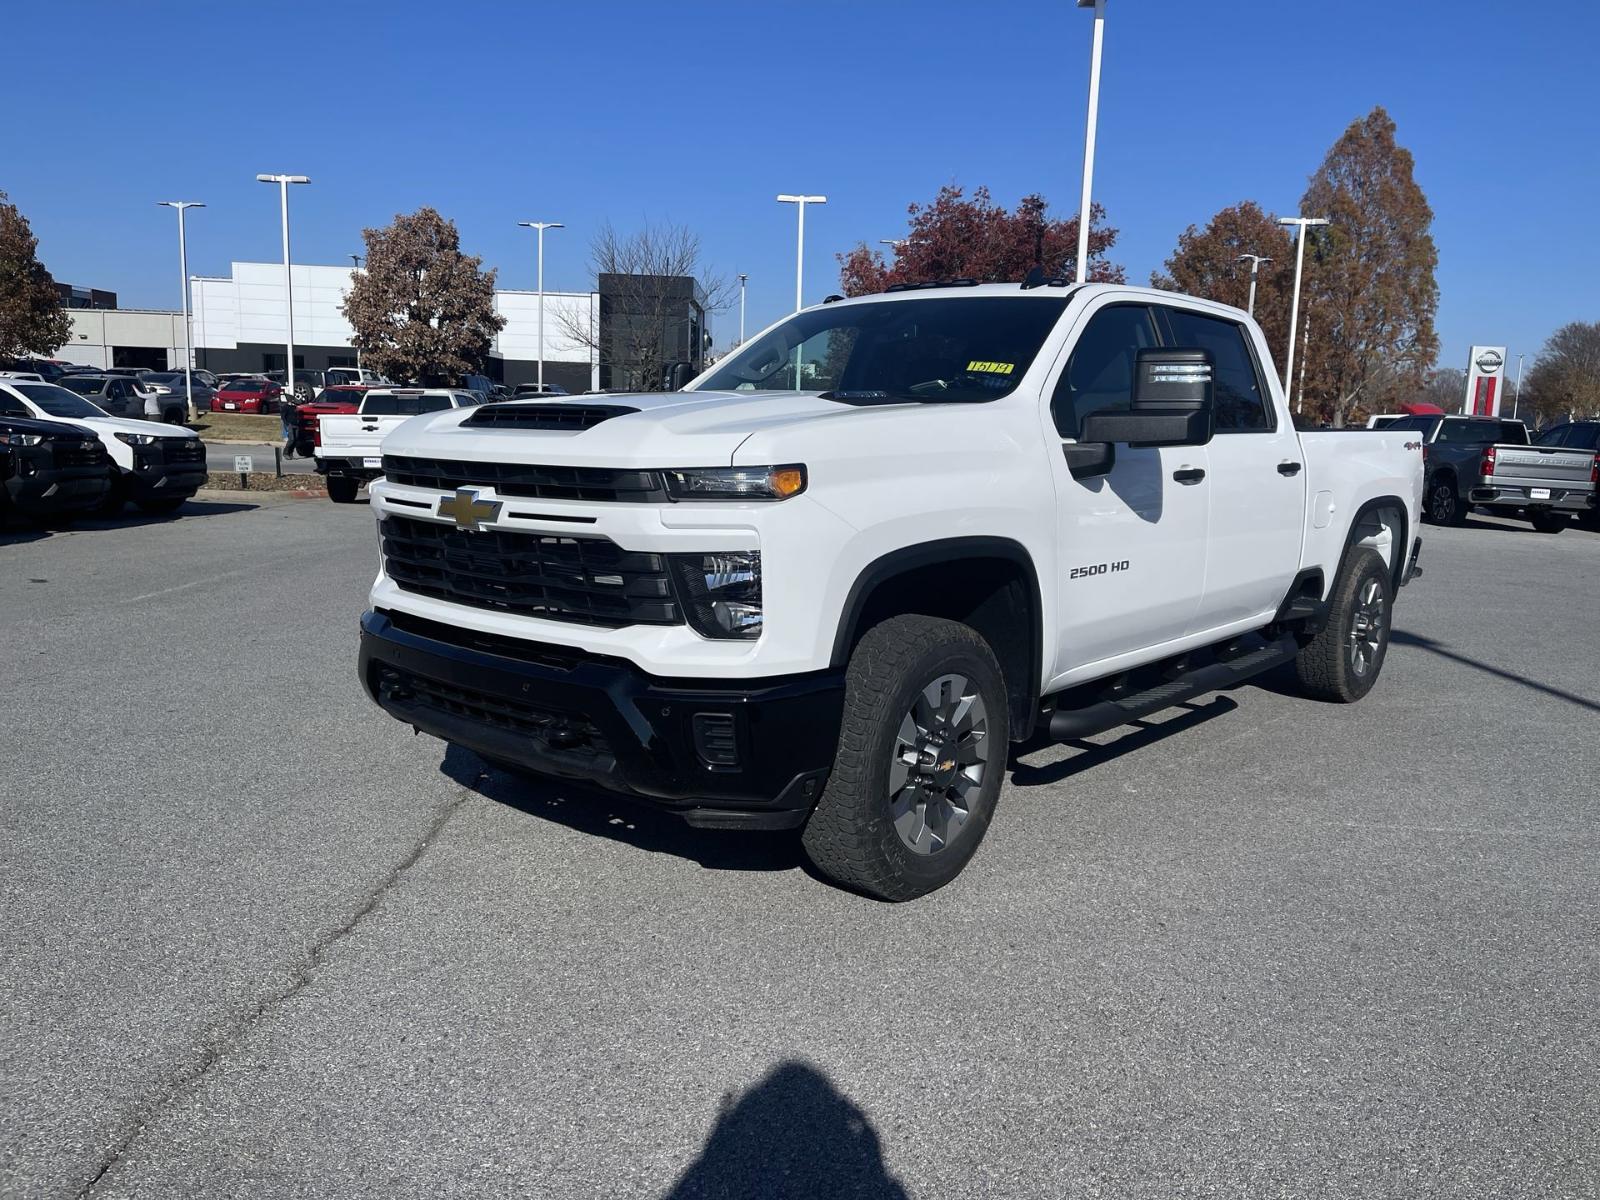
[1172,405]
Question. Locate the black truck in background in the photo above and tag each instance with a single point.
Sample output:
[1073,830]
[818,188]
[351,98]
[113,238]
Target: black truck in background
[1487,462]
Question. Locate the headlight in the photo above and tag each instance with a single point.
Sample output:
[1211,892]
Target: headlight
[135,439]
[21,439]
[721,592]
[736,483]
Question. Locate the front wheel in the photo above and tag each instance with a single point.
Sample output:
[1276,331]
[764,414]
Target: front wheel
[1549,522]
[342,489]
[1342,662]
[922,751]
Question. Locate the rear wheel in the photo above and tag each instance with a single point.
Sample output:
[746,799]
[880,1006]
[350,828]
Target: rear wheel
[1549,522]
[1342,662]
[1444,505]
[342,489]
[922,751]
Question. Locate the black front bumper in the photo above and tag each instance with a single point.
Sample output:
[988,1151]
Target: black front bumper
[58,489]
[160,470]
[559,712]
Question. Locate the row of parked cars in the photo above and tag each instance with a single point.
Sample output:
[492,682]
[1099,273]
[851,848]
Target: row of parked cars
[62,455]
[1493,463]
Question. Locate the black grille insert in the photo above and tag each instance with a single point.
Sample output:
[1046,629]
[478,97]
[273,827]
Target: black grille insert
[557,658]
[70,453]
[566,417]
[588,580]
[183,450]
[600,484]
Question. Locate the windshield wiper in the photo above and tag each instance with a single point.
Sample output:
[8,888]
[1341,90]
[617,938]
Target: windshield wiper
[865,397]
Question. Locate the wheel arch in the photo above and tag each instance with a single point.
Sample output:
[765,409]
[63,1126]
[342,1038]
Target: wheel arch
[1382,523]
[1002,602]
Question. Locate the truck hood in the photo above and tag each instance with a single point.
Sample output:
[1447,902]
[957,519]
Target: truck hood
[671,429]
[106,426]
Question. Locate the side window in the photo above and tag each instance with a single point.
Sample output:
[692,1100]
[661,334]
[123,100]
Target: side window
[10,407]
[1513,433]
[1242,405]
[1584,437]
[1099,375]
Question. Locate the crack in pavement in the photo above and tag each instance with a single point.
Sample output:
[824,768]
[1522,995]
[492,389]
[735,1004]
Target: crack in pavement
[216,1044]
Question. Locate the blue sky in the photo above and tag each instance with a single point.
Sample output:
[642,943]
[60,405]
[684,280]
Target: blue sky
[701,112]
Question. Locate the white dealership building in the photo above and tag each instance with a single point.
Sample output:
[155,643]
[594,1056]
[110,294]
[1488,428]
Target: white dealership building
[240,324]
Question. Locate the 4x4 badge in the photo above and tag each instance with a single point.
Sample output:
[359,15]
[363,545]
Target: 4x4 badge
[468,511]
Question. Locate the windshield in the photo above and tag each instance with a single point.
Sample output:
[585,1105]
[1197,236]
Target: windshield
[949,349]
[56,401]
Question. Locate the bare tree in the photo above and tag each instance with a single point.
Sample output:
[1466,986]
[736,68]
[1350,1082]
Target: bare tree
[1564,383]
[655,297]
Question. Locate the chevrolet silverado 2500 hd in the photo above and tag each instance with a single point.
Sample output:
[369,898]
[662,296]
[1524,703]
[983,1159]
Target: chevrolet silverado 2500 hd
[346,448]
[832,581]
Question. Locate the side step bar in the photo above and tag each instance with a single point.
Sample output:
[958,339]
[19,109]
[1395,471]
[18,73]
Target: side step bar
[1069,723]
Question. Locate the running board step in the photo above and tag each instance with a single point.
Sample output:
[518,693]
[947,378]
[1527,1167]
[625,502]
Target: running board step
[1067,724]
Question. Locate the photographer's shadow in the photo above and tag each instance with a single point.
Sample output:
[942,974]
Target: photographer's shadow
[604,814]
[793,1136]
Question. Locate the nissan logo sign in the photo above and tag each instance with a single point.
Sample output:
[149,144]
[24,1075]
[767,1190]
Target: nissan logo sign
[1490,361]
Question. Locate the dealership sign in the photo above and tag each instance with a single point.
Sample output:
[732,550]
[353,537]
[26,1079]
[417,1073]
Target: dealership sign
[1485,368]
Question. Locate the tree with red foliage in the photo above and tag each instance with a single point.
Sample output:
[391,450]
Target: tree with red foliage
[960,238]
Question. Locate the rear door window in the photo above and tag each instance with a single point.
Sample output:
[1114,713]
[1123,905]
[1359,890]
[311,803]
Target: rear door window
[1469,432]
[1241,393]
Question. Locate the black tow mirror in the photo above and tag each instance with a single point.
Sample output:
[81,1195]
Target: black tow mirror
[1172,404]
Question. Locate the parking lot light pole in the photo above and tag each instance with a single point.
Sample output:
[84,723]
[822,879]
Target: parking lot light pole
[1294,306]
[1516,400]
[1084,208]
[742,279]
[283,182]
[355,265]
[800,203]
[541,226]
[183,274]
[1255,265]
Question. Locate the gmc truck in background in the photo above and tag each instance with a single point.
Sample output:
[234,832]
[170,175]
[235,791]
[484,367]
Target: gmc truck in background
[831,583]
[1486,462]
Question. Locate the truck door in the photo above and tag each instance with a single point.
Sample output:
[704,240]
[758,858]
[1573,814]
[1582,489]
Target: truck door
[1131,543]
[1257,477]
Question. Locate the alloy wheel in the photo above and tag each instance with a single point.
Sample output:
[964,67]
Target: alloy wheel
[1368,627]
[941,754]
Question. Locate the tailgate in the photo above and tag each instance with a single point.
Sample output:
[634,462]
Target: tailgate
[346,436]
[1544,466]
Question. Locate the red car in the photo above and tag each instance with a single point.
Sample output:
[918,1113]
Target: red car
[247,396]
[340,398]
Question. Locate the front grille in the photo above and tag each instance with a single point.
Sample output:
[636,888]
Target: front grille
[182,451]
[600,484]
[563,732]
[546,416]
[88,453]
[588,580]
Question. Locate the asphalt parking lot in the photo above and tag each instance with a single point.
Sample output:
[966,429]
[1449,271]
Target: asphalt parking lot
[262,941]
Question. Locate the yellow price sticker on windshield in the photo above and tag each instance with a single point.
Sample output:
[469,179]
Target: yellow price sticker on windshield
[977,367]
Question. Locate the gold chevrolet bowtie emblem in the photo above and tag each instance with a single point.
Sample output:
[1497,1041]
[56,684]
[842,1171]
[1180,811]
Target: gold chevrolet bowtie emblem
[467,511]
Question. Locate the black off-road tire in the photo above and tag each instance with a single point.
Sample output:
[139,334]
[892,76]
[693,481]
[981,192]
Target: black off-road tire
[851,836]
[342,489]
[1549,522]
[1443,504]
[1327,664]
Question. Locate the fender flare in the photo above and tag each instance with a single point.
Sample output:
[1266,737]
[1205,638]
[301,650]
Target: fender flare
[1402,551]
[924,554]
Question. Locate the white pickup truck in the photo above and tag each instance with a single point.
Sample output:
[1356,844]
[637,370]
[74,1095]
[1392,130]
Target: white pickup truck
[829,584]
[346,447]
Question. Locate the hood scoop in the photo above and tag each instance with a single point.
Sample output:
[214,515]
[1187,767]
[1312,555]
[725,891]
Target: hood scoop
[571,418]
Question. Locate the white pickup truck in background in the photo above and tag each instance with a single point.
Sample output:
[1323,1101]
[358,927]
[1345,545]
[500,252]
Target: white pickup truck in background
[829,584]
[346,447]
